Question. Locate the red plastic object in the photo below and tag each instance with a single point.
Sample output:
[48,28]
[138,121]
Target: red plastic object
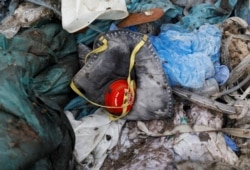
[114,96]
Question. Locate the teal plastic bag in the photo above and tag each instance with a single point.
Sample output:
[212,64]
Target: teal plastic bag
[208,13]
[36,67]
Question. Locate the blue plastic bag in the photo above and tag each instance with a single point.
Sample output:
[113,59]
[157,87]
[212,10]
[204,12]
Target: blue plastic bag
[231,143]
[188,57]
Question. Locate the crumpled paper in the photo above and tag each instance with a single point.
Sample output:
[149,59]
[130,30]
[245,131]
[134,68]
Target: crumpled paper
[24,16]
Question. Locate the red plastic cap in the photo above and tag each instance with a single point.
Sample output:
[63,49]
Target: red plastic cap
[114,96]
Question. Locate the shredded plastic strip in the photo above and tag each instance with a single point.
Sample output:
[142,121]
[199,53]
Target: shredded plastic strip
[243,133]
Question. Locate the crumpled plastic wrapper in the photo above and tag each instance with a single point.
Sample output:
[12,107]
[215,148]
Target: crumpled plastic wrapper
[54,5]
[137,151]
[24,16]
[203,146]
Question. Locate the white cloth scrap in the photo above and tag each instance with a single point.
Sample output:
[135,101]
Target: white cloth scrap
[95,135]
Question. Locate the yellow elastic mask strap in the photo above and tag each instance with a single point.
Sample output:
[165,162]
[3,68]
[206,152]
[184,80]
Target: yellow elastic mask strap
[99,49]
[79,93]
[124,107]
[131,83]
[132,62]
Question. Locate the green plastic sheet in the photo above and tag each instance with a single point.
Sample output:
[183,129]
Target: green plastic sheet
[36,67]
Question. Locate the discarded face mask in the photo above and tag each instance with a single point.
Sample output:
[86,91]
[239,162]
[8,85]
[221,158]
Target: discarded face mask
[125,55]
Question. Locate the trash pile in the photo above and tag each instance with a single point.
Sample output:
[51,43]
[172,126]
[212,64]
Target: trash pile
[120,84]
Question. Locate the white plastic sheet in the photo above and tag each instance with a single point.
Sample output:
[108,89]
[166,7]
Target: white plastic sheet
[95,135]
[78,14]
